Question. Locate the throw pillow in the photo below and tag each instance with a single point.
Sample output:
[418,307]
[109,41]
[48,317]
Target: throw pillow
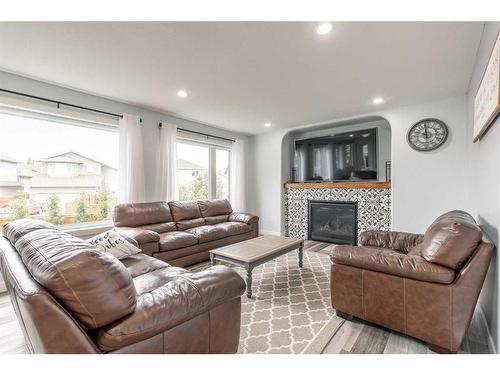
[111,242]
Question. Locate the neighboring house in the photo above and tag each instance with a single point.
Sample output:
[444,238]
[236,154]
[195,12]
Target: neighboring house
[68,175]
[25,172]
[187,171]
[9,183]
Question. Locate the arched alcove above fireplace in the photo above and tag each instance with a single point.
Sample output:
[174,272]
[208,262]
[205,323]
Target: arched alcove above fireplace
[328,168]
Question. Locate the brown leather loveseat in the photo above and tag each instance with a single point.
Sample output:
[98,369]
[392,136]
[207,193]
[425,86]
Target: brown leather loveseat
[182,233]
[70,297]
[425,286]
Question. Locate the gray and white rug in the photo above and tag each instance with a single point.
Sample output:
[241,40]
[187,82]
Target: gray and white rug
[289,305]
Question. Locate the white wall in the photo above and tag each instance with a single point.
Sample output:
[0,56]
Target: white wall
[424,184]
[427,184]
[485,177]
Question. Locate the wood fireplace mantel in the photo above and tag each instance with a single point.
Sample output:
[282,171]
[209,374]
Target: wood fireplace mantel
[339,185]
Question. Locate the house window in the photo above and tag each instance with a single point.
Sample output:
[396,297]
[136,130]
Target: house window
[57,171]
[203,170]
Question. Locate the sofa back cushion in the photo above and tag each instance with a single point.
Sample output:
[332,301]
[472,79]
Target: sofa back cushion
[186,210]
[215,207]
[14,230]
[137,214]
[92,285]
[451,239]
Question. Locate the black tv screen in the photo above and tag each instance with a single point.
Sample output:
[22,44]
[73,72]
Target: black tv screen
[338,157]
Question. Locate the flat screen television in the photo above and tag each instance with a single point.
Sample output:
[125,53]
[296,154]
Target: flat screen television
[338,157]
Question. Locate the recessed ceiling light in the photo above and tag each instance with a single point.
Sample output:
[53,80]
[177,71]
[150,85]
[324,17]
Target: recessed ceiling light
[182,93]
[377,100]
[324,28]
[351,135]
[267,124]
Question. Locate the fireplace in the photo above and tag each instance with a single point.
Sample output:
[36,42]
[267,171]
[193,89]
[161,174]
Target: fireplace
[333,221]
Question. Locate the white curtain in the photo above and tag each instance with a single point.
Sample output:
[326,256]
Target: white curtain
[238,173]
[167,163]
[131,161]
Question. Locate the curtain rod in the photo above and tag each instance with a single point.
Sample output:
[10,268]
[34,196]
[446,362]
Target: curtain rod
[62,103]
[204,134]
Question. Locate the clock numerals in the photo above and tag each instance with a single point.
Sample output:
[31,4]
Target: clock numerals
[427,135]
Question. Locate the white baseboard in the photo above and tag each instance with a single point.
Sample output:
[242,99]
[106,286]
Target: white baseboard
[491,343]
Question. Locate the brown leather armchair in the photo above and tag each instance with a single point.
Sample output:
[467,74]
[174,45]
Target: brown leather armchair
[425,286]
[70,297]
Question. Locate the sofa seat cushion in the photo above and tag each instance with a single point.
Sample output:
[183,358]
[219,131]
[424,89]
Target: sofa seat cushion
[185,296]
[176,240]
[141,264]
[149,273]
[216,219]
[159,227]
[233,228]
[400,241]
[93,285]
[207,233]
[191,223]
[391,263]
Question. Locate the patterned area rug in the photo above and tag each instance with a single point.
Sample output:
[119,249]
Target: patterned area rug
[289,305]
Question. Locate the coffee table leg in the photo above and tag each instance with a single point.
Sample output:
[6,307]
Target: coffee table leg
[212,259]
[301,253]
[249,281]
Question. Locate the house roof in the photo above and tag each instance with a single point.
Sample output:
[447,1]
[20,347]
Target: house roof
[190,166]
[27,170]
[8,159]
[62,159]
[72,157]
[43,180]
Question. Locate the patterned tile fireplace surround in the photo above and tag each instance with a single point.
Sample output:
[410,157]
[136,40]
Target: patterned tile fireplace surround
[373,199]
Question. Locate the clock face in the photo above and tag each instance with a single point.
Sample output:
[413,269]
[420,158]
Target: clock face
[427,135]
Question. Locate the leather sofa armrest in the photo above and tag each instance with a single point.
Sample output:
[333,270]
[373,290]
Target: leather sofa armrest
[392,263]
[243,218]
[399,241]
[181,299]
[141,236]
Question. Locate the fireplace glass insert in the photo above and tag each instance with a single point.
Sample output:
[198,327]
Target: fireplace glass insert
[333,221]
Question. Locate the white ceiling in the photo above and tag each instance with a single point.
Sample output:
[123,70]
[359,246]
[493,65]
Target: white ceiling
[241,75]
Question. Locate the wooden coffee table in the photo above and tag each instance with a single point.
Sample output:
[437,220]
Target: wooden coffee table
[256,251]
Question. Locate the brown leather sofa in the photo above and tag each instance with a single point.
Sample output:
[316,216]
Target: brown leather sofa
[182,233]
[425,286]
[70,297]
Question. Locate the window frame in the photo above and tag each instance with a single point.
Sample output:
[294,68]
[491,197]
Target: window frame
[68,118]
[212,170]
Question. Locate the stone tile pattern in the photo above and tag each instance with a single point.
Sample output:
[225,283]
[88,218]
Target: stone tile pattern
[374,207]
[289,305]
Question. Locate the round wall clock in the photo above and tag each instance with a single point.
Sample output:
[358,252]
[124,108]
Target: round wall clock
[427,134]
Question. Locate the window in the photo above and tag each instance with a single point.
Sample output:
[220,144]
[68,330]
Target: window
[203,170]
[53,170]
[222,174]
